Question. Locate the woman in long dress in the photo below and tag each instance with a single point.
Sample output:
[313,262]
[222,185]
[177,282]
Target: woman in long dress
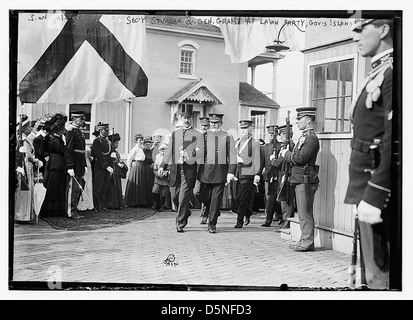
[86,198]
[26,162]
[115,197]
[148,170]
[55,171]
[135,191]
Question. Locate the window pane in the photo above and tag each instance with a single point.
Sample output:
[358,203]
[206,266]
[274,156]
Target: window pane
[330,125]
[331,83]
[318,79]
[346,77]
[186,66]
[331,109]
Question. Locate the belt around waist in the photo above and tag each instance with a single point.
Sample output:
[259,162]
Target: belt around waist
[361,145]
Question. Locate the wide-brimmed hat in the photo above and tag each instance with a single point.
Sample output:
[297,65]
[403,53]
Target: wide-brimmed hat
[114,137]
[78,114]
[100,126]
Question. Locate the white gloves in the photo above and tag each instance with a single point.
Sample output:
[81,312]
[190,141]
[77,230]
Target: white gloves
[283,151]
[256,179]
[39,163]
[85,170]
[230,177]
[110,169]
[368,213]
[71,172]
[160,171]
[20,170]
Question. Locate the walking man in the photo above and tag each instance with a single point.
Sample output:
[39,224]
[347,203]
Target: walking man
[369,188]
[102,171]
[218,169]
[76,166]
[270,176]
[248,152]
[180,158]
[304,175]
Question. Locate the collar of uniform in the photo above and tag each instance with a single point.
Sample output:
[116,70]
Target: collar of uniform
[102,137]
[186,129]
[378,59]
[74,125]
[41,133]
[307,131]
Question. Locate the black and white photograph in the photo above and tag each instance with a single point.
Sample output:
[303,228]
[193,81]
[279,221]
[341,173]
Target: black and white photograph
[211,151]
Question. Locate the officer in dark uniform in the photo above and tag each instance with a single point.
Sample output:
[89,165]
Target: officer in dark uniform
[248,152]
[304,175]
[270,176]
[285,193]
[218,169]
[369,186]
[76,166]
[102,171]
[204,126]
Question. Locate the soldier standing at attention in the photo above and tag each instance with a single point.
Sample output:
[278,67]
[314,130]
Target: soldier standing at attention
[369,188]
[270,175]
[304,175]
[75,160]
[101,150]
[249,164]
[218,169]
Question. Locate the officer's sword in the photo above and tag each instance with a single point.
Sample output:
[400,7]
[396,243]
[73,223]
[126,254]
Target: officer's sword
[83,192]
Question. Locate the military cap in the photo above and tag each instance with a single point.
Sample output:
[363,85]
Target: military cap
[306,111]
[114,137]
[245,123]
[282,129]
[272,128]
[78,114]
[204,121]
[358,26]
[24,119]
[216,117]
[188,111]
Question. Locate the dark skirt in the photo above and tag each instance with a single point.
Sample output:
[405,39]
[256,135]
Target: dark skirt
[54,201]
[135,191]
[149,180]
[115,198]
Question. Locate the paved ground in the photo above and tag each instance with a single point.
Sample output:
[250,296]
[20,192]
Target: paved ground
[150,251]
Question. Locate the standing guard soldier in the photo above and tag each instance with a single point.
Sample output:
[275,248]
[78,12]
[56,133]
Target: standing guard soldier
[76,166]
[248,152]
[102,171]
[304,175]
[270,176]
[369,188]
[181,156]
[218,169]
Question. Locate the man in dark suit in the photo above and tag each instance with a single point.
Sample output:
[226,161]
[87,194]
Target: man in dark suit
[304,175]
[75,160]
[181,156]
[369,188]
[102,169]
[218,169]
[270,176]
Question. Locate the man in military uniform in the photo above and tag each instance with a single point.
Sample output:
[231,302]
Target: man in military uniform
[270,176]
[76,166]
[285,193]
[100,151]
[204,126]
[180,158]
[218,169]
[304,175]
[369,188]
[248,152]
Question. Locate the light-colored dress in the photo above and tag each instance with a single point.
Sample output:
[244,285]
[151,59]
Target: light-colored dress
[135,191]
[23,209]
[86,198]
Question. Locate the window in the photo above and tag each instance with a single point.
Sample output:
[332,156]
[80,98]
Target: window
[187,58]
[86,108]
[258,124]
[331,90]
